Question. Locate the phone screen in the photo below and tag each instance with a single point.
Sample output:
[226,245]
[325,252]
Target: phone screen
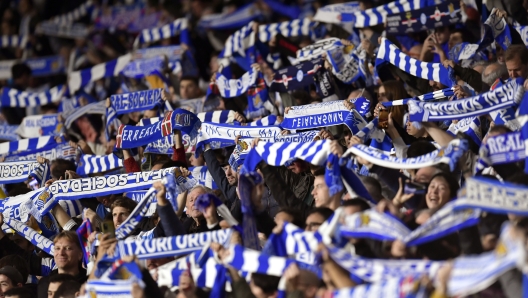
[414,188]
[33,184]
[108,228]
[383,119]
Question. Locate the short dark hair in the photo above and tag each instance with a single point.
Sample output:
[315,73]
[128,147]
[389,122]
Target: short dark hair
[319,172]
[196,80]
[16,262]
[323,211]
[451,181]
[420,148]
[19,70]
[21,292]
[67,289]
[173,163]
[267,283]
[516,50]
[61,277]
[124,202]
[360,202]
[60,166]
[296,214]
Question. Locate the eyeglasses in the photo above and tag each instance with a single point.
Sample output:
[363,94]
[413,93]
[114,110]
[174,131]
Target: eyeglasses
[311,225]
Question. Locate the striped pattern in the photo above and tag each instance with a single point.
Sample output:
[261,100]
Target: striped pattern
[203,176]
[388,52]
[13,41]
[98,108]
[428,96]
[91,164]
[229,88]
[14,98]
[377,15]
[299,27]
[179,26]
[239,41]
[81,78]
[217,116]
[522,118]
[74,15]
[28,144]
[252,261]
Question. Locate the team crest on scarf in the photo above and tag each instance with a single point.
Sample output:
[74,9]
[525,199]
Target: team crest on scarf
[365,219]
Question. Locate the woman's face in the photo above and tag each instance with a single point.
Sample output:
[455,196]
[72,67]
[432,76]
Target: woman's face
[437,193]
[382,97]
[413,131]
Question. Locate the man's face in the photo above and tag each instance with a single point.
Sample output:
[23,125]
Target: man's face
[191,198]
[52,288]
[66,254]
[5,285]
[455,39]
[424,175]
[119,215]
[436,85]
[442,35]
[106,200]
[21,242]
[150,114]
[320,192]
[313,222]
[297,167]
[516,69]
[188,89]
[196,161]
[231,175]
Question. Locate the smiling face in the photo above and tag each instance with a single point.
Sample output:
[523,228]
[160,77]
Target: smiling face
[66,254]
[191,198]
[119,215]
[437,193]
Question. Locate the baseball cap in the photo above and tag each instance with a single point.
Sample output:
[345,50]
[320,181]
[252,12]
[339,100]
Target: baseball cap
[13,274]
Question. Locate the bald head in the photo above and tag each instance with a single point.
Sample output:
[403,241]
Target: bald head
[493,72]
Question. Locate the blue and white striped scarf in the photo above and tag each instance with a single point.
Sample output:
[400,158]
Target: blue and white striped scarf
[203,176]
[81,78]
[91,164]
[223,135]
[266,121]
[225,116]
[98,108]
[523,31]
[40,125]
[294,28]
[8,133]
[173,53]
[522,118]
[388,52]
[73,31]
[138,196]
[506,96]
[13,41]
[15,172]
[129,136]
[231,20]
[317,49]
[322,115]
[493,196]
[470,126]
[448,155]
[140,68]
[246,183]
[393,287]
[18,207]
[425,97]
[377,15]
[132,102]
[372,224]
[41,173]
[32,144]
[14,98]
[106,288]
[74,15]
[179,26]
[501,149]
[139,212]
[252,261]
[332,13]
[51,152]
[239,42]
[229,88]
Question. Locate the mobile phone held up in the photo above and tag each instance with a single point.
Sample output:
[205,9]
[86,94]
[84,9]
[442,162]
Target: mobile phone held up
[383,119]
[414,188]
[108,228]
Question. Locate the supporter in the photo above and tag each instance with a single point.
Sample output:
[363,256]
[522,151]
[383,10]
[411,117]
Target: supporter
[517,61]
[18,293]
[9,278]
[67,289]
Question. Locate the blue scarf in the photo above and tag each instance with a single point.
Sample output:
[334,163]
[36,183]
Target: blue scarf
[239,42]
[138,197]
[74,15]
[393,287]
[46,142]
[246,184]
[205,200]
[31,235]
[140,68]
[136,215]
[235,87]
[493,196]
[81,78]
[508,95]
[13,41]
[297,27]
[270,120]
[501,149]
[522,117]
[425,97]
[15,98]
[523,31]
[98,108]
[41,173]
[91,164]
[295,77]
[470,126]
[444,14]
[132,102]
[15,172]
[225,116]
[448,155]
[179,26]
[257,96]
[51,152]
[73,31]
[46,66]
[375,225]
[8,133]
[134,136]
[203,176]
[388,52]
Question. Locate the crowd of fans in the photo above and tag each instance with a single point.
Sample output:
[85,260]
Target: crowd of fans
[297,193]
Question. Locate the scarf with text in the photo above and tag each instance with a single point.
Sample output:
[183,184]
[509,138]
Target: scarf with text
[469,126]
[388,52]
[448,155]
[62,150]
[178,27]
[132,102]
[16,172]
[41,173]
[501,149]
[506,96]
[322,115]
[14,98]
[129,136]
[493,196]
[522,118]
[317,49]
[140,68]
[138,196]
[18,207]
[223,135]
[91,164]
[40,125]
[139,212]
[444,14]
[32,144]
[203,176]
[8,133]
[31,235]
[295,77]
[81,78]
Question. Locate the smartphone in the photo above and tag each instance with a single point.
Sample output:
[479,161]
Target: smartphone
[414,188]
[33,184]
[108,228]
[383,119]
